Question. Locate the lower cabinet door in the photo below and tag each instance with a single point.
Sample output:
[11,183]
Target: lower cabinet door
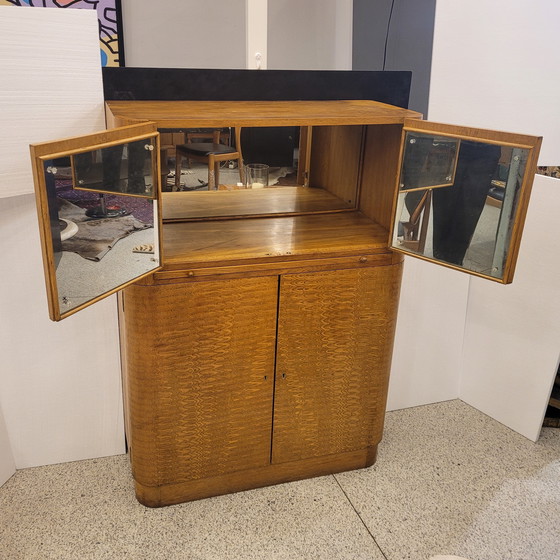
[200,362]
[335,338]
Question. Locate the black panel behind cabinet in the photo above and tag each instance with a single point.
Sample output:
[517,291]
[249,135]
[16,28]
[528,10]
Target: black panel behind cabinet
[271,145]
[176,84]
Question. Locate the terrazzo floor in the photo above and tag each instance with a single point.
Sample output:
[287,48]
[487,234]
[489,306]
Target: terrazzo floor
[448,481]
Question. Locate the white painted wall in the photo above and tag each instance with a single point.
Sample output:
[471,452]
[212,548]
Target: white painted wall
[429,339]
[310,35]
[7,463]
[59,382]
[46,91]
[184,33]
[494,66]
[512,336]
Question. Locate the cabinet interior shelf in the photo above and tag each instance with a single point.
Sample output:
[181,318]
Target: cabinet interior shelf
[191,244]
[181,206]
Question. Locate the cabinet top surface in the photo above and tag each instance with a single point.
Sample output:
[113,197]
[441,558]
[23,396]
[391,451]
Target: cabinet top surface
[173,114]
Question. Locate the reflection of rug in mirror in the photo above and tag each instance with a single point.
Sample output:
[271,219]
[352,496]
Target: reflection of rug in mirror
[95,238]
[195,178]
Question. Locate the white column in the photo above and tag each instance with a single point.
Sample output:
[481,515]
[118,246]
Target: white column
[257,34]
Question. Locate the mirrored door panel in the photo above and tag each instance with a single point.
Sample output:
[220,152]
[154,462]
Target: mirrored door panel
[98,204]
[462,196]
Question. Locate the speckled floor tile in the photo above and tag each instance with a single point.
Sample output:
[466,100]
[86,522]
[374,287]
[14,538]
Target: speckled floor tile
[450,480]
[87,510]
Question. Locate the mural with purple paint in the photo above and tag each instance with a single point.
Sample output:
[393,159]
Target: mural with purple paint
[109,18]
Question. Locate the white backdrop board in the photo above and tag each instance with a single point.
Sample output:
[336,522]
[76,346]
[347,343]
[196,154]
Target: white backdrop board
[7,463]
[60,388]
[512,335]
[494,66]
[50,86]
[429,339]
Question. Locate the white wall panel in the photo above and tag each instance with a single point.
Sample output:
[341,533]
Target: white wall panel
[494,65]
[184,33]
[50,84]
[310,35]
[512,337]
[7,463]
[426,363]
[59,382]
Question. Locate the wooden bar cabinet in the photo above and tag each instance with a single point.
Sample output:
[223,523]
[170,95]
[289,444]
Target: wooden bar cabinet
[257,340]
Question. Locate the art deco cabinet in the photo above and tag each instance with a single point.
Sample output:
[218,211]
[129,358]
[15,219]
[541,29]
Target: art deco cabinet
[257,324]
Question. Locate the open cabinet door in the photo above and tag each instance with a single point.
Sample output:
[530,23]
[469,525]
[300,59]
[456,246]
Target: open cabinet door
[462,196]
[98,200]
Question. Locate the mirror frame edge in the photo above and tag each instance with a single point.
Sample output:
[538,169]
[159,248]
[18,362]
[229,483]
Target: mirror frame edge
[528,142]
[42,150]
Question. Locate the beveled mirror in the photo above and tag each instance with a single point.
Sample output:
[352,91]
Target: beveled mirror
[462,195]
[98,203]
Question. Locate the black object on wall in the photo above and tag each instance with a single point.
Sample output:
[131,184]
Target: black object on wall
[181,84]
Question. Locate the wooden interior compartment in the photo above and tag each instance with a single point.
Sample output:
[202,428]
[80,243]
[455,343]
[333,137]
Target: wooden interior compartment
[336,155]
[380,171]
[329,167]
[261,240]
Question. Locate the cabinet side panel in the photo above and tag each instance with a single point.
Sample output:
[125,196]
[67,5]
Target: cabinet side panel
[379,174]
[335,160]
[200,360]
[334,350]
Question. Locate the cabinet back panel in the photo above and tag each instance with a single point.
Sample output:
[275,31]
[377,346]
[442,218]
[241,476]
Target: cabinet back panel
[380,170]
[198,354]
[335,160]
[335,337]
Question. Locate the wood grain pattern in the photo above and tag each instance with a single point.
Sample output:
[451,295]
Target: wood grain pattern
[218,114]
[270,239]
[336,153]
[200,358]
[380,172]
[469,133]
[335,339]
[157,496]
[182,206]
[199,273]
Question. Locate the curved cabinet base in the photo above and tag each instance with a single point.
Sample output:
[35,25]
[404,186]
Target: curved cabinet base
[170,494]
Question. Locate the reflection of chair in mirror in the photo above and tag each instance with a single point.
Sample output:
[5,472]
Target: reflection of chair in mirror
[211,153]
[415,230]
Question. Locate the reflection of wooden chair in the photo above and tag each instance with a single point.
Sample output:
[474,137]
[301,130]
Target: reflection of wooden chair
[416,229]
[211,153]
